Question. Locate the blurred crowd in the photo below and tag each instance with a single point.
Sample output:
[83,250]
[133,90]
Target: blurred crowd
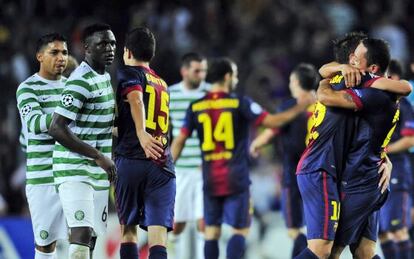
[267,38]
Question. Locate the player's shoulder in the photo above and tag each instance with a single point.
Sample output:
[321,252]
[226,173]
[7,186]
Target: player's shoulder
[287,103]
[30,83]
[175,87]
[127,73]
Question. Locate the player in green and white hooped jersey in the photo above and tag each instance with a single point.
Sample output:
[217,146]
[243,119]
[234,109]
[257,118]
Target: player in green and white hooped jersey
[189,196]
[37,98]
[82,126]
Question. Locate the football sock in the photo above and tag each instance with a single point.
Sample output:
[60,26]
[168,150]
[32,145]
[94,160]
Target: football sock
[404,249]
[236,247]
[211,249]
[306,254]
[299,244]
[129,250]
[78,251]
[158,252]
[43,255]
[389,249]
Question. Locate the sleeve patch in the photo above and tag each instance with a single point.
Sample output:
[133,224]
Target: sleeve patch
[67,100]
[26,109]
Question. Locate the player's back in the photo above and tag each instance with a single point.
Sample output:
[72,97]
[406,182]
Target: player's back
[156,103]
[374,125]
[222,122]
[293,138]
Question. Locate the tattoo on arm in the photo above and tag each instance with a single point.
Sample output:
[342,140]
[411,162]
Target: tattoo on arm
[348,98]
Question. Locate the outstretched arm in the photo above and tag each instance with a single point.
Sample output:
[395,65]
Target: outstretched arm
[260,141]
[401,145]
[401,87]
[178,145]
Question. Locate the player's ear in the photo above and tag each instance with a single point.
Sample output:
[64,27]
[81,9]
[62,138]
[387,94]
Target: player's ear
[374,68]
[39,56]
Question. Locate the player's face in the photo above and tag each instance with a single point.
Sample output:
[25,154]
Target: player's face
[294,85]
[101,47]
[195,73]
[53,58]
[359,59]
[234,78]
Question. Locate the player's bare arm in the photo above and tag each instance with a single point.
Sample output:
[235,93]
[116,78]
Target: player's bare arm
[400,87]
[60,131]
[403,144]
[152,147]
[178,145]
[327,96]
[351,74]
[280,119]
[260,141]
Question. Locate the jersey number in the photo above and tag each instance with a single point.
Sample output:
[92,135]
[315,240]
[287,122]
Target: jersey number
[316,120]
[336,208]
[162,119]
[222,132]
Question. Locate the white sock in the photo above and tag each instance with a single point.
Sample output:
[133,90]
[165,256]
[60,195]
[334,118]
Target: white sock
[78,252]
[43,255]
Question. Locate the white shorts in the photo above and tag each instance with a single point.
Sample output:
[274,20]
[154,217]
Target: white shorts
[46,213]
[84,207]
[189,196]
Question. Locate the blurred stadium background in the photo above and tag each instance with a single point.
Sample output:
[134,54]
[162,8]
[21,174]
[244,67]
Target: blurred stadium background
[267,38]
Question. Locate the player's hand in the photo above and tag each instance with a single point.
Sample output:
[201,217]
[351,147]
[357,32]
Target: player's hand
[108,165]
[351,75]
[254,150]
[385,170]
[152,147]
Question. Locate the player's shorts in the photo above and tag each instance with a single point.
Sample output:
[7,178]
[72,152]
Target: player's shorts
[292,207]
[189,197]
[144,194]
[359,216]
[235,210]
[46,213]
[321,205]
[395,214]
[84,207]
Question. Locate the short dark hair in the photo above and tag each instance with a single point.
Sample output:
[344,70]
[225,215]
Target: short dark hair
[141,42]
[395,68]
[91,29]
[378,53]
[190,57]
[47,38]
[344,46]
[307,75]
[218,68]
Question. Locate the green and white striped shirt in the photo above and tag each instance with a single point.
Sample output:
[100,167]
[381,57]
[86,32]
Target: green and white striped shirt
[37,99]
[180,99]
[88,100]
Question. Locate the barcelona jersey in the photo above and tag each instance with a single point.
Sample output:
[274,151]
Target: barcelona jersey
[222,122]
[330,135]
[156,102]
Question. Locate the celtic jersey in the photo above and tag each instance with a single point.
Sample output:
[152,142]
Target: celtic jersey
[37,98]
[180,98]
[88,101]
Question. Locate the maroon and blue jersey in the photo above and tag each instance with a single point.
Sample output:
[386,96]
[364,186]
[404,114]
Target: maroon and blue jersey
[401,177]
[375,121]
[293,139]
[330,135]
[156,101]
[222,122]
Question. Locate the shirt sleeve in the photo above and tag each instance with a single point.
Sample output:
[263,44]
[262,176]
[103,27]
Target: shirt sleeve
[129,81]
[252,111]
[188,124]
[368,99]
[76,93]
[31,112]
[406,118]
